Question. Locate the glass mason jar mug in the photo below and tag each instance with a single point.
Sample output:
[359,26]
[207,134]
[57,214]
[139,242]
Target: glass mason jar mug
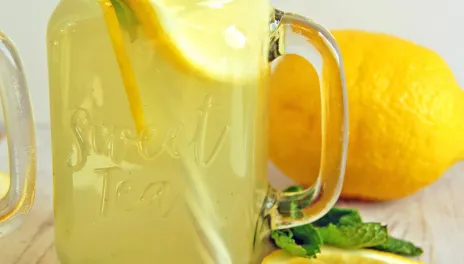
[159,129]
[158,115]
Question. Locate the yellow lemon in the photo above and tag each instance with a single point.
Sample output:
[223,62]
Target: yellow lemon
[184,34]
[331,255]
[406,116]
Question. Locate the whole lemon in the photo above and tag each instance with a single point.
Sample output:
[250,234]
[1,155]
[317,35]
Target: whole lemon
[406,115]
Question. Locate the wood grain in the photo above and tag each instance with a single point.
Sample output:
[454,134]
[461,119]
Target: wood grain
[432,218]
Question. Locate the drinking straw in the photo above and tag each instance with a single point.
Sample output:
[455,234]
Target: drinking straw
[125,67]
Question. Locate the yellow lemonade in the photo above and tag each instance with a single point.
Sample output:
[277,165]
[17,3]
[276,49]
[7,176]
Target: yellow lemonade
[184,179]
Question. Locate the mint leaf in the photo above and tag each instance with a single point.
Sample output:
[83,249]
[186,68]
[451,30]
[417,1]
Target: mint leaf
[284,240]
[400,247]
[308,237]
[354,236]
[339,216]
[126,17]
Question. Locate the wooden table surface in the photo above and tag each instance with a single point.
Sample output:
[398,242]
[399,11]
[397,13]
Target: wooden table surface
[432,218]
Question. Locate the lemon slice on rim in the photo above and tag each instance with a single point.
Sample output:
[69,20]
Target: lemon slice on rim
[332,255]
[205,37]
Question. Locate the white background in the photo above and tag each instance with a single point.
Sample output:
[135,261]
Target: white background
[437,24]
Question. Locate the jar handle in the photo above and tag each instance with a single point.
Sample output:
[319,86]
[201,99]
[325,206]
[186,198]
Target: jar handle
[299,207]
[19,124]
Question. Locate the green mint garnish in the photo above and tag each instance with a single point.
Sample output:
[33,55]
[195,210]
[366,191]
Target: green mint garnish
[342,228]
[309,238]
[361,235]
[400,247]
[339,216]
[284,239]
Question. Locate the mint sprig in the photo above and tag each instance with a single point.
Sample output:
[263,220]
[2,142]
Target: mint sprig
[343,228]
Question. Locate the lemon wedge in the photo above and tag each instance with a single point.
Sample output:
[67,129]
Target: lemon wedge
[219,39]
[224,39]
[332,255]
